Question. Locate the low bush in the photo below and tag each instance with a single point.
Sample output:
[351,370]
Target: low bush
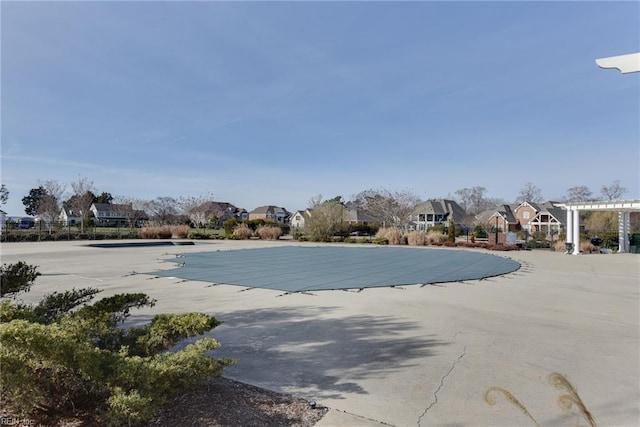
[560,246]
[586,247]
[63,356]
[380,241]
[199,235]
[416,238]
[157,232]
[503,247]
[393,235]
[180,231]
[266,232]
[242,231]
[435,237]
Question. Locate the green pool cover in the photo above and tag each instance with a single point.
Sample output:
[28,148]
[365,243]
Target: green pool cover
[299,269]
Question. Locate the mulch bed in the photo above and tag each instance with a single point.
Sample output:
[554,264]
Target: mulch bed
[221,402]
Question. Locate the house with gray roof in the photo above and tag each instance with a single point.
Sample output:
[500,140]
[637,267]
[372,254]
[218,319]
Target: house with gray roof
[436,211]
[547,217]
[270,213]
[117,215]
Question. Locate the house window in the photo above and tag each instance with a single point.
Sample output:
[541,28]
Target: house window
[297,217]
[525,215]
[421,217]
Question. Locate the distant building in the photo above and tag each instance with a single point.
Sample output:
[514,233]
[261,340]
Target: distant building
[433,212]
[270,213]
[117,215]
[221,211]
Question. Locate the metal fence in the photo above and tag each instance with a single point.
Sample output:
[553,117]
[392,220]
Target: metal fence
[56,231]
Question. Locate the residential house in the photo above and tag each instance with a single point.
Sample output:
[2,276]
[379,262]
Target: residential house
[222,211]
[546,217]
[270,213]
[502,218]
[69,217]
[353,214]
[436,211]
[299,219]
[117,215]
[550,219]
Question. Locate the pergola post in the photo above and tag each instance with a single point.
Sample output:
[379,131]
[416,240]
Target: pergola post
[570,229]
[624,218]
[576,232]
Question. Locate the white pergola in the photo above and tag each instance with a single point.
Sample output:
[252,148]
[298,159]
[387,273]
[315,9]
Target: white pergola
[625,64]
[624,209]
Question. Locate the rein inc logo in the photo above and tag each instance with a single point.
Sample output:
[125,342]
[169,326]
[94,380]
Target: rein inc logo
[15,421]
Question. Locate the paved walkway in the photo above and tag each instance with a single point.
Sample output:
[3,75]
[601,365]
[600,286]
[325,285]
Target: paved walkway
[408,356]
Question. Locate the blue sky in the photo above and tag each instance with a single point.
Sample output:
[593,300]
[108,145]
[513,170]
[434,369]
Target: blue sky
[275,102]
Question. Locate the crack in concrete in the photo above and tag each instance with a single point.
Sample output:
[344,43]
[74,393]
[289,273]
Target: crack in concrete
[435,394]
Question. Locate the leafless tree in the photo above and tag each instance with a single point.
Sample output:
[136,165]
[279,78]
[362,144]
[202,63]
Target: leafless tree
[131,209]
[530,193]
[392,208]
[83,198]
[474,201]
[196,209]
[579,194]
[163,210]
[613,191]
[4,194]
[315,201]
[49,204]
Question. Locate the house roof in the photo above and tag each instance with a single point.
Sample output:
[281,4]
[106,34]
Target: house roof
[358,215]
[441,207]
[268,209]
[217,208]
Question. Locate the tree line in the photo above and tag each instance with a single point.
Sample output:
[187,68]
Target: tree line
[390,206]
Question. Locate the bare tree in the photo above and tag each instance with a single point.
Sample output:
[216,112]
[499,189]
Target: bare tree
[530,193]
[163,210]
[613,191]
[474,201]
[131,209]
[578,194]
[392,208]
[4,194]
[82,198]
[49,204]
[196,209]
[315,201]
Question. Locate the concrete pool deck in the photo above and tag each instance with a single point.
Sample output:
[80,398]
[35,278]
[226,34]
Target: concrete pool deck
[403,356]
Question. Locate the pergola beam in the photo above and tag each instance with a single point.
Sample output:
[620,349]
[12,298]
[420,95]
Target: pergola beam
[625,63]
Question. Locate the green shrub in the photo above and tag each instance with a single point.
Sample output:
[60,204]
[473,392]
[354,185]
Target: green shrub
[199,235]
[380,241]
[64,356]
[480,231]
[18,277]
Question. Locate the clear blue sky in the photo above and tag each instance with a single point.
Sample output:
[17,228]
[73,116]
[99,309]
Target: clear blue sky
[275,102]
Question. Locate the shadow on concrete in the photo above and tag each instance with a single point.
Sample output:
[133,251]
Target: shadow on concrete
[314,353]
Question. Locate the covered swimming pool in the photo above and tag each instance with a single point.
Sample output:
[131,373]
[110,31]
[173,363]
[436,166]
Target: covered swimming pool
[299,269]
